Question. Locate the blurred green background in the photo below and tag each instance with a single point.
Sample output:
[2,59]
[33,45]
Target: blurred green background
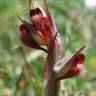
[21,68]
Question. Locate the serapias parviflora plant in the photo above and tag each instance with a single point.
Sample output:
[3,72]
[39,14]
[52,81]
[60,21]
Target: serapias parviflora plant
[42,31]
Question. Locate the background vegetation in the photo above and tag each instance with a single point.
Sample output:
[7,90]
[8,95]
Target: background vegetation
[21,68]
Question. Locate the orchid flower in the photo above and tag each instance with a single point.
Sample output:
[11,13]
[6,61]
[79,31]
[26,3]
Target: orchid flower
[70,66]
[42,31]
[41,28]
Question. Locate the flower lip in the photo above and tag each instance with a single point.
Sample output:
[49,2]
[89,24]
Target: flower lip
[28,39]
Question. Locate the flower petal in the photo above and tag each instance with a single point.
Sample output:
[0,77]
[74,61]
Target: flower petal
[28,39]
[39,19]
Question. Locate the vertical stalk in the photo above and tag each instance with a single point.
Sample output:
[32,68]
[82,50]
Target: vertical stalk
[51,82]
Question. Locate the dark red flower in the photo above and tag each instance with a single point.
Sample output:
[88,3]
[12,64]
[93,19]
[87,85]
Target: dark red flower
[41,28]
[70,66]
[77,67]
[38,31]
